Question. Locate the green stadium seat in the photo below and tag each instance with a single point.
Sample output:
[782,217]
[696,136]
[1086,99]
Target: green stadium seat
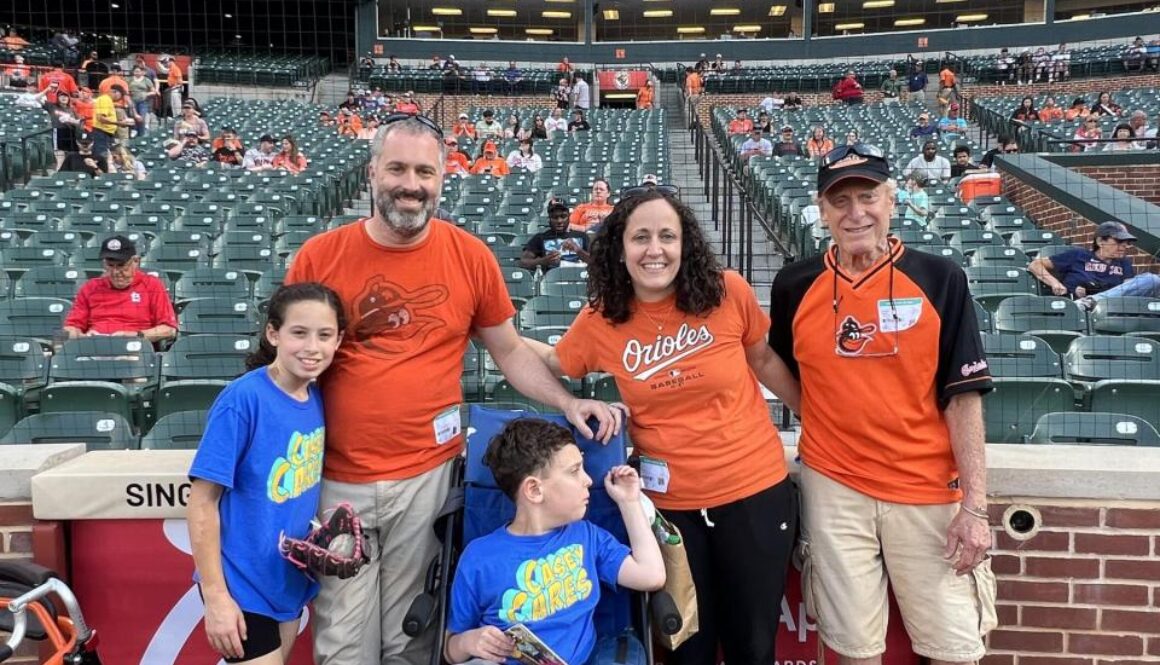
[40,318]
[1112,429]
[1140,398]
[1011,355]
[1054,319]
[992,285]
[60,282]
[566,289]
[211,283]
[11,409]
[218,316]
[1100,357]
[16,260]
[551,311]
[996,255]
[111,374]
[177,431]
[1015,404]
[97,430]
[197,367]
[1128,315]
[23,365]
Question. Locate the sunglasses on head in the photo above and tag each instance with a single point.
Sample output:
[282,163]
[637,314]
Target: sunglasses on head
[842,152]
[665,190]
[421,119]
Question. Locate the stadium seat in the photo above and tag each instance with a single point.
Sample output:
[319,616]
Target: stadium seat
[550,311]
[177,431]
[1140,398]
[1015,404]
[41,318]
[992,285]
[1011,355]
[23,366]
[1100,357]
[49,282]
[1094,429]
[196,368]
[1128,315]
[211,283]
[218,316]
[110,374]
[95,429]
[998,255]
[1054,319]
[11,408]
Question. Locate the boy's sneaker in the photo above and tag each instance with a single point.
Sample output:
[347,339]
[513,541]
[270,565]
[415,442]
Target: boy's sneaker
[1088,303]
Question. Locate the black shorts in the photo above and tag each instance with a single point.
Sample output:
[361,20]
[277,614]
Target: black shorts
[262,635]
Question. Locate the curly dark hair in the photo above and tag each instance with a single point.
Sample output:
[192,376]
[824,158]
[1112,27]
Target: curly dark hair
[699,283]
[523,448]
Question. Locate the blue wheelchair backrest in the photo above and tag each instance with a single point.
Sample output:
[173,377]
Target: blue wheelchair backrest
[486,508]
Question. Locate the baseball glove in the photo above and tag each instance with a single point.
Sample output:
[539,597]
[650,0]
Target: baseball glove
[337,548]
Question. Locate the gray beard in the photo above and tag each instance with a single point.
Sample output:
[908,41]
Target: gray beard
[406,225]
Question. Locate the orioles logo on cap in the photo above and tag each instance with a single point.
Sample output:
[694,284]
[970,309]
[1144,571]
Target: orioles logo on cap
[113,245]
[848,161]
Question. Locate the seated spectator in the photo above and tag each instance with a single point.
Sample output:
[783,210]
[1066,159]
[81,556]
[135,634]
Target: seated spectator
[644,96]
[787,145]
[191,120]
[764,124]
[1138,121]
[436,63]
[349,123]
[125,301]
[351,102]
[556,246]
[189,149]
[1026,67]
[587,216]
[511,129]
[1041,62]
[367,133]
[852,137]
[13,41]
[756,145]
[539,468]
[952,125]
[1050,112]
[1026,112]
[1124,139]
[818,144]
[1104,106]
[579,122]
[456,163]
[1005,67]
[914,199]
[892,87]
[771,103]
[933,166]
[556,122]
[718,65]
[650,181]
[18,75]
[325,119]
[490,161]
[525,157]
[848,90]
[463,127]
[488,128]
[1087,136]
[1006,145]
[123,161]
[1153,134]
[1060,65]
[393,65]
[261,157]
[963,164]
[228,148]
[923,129]
[289,158]
[450,65]
[1136,55]
[793,102]
[1079,109]
[741,124]
[1092,275]
[408,104]
[539,129]
[513,76]
[480,78]
[84,160]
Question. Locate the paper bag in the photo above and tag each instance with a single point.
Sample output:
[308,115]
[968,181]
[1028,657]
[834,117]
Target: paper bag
[678,583]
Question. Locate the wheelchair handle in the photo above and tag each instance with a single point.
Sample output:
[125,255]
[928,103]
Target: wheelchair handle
[19,608]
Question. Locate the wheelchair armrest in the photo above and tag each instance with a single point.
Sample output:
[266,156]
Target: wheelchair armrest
[665,616]
[25,573]
[419,615]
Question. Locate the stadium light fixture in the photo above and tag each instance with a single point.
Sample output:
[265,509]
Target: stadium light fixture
[539,31]
[877,4]
[611,14]
[508,13]
[482,31]
[724,11]
[747,28]
[426,28]
[826,8]
[690,30]
[447,11]
[777,10]
[947,2]
[970,18]
[850,26]
[658,13]
[903,22]
[555,14]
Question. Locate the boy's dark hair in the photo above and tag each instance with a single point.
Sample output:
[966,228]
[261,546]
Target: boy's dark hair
[960,148]
[524,447]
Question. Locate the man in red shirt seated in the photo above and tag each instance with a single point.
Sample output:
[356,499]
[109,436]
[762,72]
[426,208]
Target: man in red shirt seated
[125,301]
[848,90]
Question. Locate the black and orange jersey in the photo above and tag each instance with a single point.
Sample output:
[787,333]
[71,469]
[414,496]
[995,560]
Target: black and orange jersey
[878,357]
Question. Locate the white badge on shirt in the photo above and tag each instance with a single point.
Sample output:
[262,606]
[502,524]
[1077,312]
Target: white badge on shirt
[654,474]
[135,297]
[447,425]
[902,316]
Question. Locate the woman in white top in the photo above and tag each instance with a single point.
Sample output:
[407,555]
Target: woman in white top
[1125,139]
[123,161]
[525,157]
[556,123]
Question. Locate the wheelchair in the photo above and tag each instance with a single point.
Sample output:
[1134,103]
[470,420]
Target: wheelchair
[476,506]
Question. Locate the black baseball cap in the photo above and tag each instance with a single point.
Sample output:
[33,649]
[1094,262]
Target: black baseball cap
[557,207]
[118,248]
[84,137]
[1114,230]
[852,161]
[266,138]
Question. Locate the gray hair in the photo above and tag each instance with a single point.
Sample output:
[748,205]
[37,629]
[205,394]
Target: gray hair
[409,126]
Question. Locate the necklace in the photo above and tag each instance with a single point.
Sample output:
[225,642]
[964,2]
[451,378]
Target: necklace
[660,326]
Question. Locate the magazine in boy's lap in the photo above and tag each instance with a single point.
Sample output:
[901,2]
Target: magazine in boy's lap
[529,649]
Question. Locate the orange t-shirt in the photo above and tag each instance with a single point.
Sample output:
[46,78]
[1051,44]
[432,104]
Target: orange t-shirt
[946,78]
[695,402]
[175,77]
[693,84]
[411,312]
[112,80]
[644,98]
[65,82]
[456,162]
[84,111]
[495,166]
[740,126]
[465,129]
[1051,114]
[587,215]
[816,148]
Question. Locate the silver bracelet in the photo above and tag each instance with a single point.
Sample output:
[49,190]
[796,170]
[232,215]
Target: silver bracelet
[981,514]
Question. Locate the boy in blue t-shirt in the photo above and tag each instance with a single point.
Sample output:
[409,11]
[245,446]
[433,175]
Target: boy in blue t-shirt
[544,569]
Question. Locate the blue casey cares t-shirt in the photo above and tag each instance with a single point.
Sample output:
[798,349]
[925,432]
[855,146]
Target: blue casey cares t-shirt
[1080,267]
[265,448]
[550,583]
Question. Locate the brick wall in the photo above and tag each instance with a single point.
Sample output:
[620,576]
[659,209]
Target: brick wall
[1142,181]
[1084,590]
[1069,225]
[1066,91]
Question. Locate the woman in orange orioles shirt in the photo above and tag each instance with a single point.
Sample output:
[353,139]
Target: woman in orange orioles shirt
[685,342]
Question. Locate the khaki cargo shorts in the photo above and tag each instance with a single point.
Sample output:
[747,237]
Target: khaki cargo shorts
[853,544]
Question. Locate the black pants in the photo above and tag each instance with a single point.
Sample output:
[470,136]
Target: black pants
[739,566]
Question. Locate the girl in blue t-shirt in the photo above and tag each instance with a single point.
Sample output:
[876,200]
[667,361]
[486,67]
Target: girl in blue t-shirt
[256,475]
